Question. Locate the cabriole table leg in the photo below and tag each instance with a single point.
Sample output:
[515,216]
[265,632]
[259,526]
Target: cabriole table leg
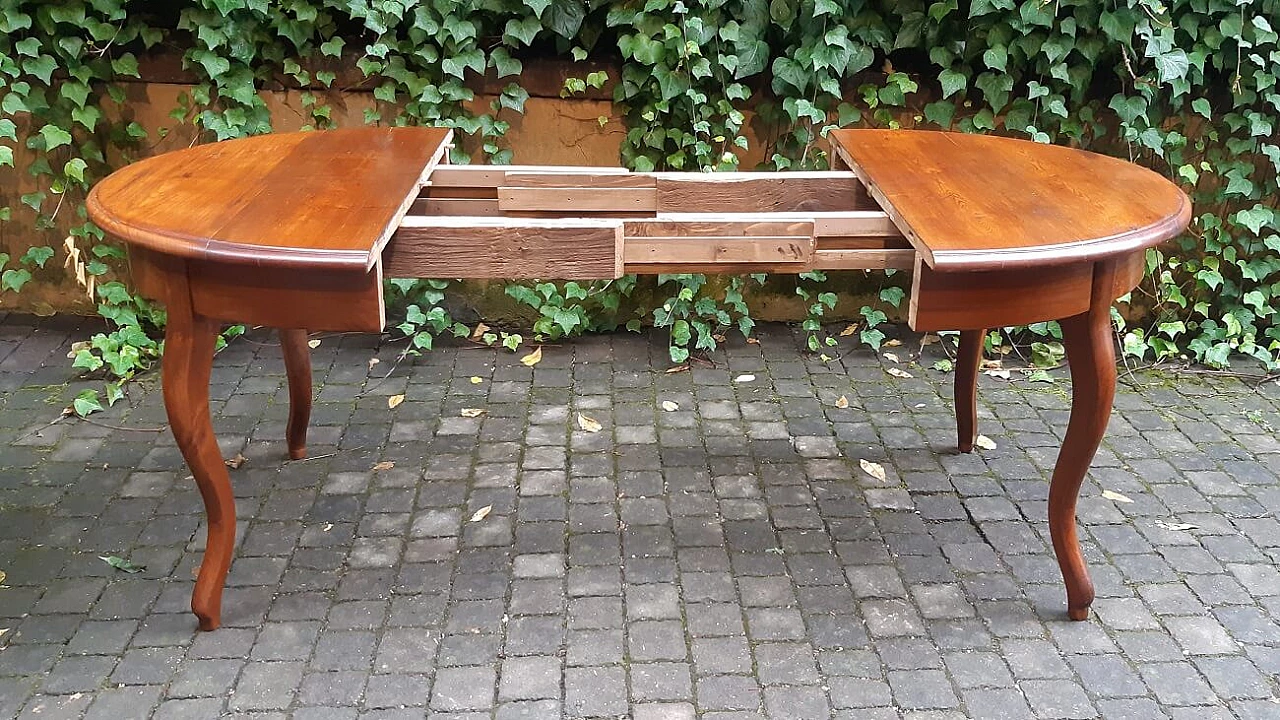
[188,361]
[968,360]
[297,366]
[1092,359]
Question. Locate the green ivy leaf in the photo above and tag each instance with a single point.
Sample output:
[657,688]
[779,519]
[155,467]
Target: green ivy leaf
[952,82]
[14,279]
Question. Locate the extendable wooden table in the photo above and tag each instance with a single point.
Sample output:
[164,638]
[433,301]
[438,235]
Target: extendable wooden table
[296,231]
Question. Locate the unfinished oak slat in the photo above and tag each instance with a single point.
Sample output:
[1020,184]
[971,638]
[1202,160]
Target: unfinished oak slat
[864,259]
[495,175]
[473,207]
[849,223]
[846,242]
[705,225]
[472,247]
[761,192]
[791,249]
[573,200]
[577,179]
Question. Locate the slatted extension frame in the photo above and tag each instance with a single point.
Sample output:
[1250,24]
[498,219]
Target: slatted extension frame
[583,223]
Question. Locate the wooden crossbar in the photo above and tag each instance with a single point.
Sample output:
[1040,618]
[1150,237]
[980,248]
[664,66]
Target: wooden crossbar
[587,223]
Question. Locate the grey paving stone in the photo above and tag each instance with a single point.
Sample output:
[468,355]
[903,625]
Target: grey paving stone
[728,560]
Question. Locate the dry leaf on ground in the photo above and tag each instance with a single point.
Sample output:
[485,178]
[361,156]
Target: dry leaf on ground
[670,406]
[235,462]
[891,357]
[482,513]
[384,465]
[984,442]
[394,401]
[479,332]
[842,402]
[3,575]
[313,344]
[894,342]
[1117,497]
[373,361]
[120,563]
[532,358]
[744,378]
[999,374]
[591,425]
[476,379]
[875,470]
[472,412]
[928,339]
[1176,527]
[899,373]
[849,330]
[753,341]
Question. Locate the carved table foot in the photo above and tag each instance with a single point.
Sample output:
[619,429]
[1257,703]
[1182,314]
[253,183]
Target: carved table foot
[297,366]
[188,360]
[968,360]
[1092,358]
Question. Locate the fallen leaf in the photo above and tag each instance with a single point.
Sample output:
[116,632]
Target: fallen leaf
[3,575]
[677,369]
[896,372]
[891,357]
[875,470]
[532,358]
[313,344]
[895,342]
[482,513]
[373,361]
[928,339]
[824,358]
[744,378]
[776,551]
[753,341]
[999,374]
[479,332]
[943,365]
[670,406]
[1117,497]
[842,402]
[476,379]
[984,442]
[849,330]
[992,364]
[718,338]
[384,465]
[235,462]
[591,425]
[120,563]
[3,631]
[1176,527]
[472,412]
[394,401]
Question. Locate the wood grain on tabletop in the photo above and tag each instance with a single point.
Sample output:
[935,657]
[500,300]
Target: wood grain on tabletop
[973,202]
[329,198]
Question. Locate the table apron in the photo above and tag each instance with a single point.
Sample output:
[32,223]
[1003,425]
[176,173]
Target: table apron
[1001,298]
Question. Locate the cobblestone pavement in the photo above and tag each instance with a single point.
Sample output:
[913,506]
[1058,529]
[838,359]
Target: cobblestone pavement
[728,559]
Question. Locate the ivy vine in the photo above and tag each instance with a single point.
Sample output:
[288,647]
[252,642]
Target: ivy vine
[1186,87]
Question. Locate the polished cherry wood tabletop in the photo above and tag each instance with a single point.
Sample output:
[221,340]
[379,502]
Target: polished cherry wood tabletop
[981,202]
[328,199]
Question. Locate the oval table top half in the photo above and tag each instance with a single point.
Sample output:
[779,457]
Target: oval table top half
[325,198]
[333,198]
[983,202]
